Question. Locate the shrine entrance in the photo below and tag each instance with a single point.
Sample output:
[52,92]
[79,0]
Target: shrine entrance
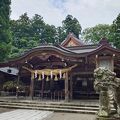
[83,87]
[48,78]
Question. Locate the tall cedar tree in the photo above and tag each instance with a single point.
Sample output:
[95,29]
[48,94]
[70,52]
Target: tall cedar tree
[71,24]
[116,31]
[4,29]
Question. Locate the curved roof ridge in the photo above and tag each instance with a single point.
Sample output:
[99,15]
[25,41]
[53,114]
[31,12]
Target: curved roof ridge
[100,47]
[59,49]
[66,49]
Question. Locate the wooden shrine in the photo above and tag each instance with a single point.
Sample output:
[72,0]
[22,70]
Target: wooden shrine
[62,71]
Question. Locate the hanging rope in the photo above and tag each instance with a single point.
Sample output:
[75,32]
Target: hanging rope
[50,72]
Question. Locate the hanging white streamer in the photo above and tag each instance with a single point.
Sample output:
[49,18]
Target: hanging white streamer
[43,75]
[60,74]
[35,73]
[51,74]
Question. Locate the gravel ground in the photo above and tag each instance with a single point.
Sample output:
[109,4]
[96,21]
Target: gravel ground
[71,116]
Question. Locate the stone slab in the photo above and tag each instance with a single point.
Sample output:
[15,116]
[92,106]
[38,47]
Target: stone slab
[21,114]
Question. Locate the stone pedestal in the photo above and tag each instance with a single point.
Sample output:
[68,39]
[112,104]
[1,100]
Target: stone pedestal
[108,118]
[104,109]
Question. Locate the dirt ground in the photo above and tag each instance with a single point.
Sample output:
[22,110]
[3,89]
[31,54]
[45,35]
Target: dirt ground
[5,110]
[71,116]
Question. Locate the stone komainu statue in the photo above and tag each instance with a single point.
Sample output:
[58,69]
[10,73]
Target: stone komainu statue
[116,92]
[105,81]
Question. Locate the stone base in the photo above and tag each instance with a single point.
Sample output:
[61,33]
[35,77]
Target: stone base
[108,118]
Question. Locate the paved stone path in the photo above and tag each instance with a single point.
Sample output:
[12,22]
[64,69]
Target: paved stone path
[21,114]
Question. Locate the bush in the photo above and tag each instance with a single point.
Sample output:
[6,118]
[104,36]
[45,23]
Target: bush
[12,85]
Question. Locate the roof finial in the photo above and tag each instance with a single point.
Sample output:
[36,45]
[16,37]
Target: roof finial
[104,41]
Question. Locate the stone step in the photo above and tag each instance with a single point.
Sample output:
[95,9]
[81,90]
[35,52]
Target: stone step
[84,104]
[89,107]
[50,109]
[51,106]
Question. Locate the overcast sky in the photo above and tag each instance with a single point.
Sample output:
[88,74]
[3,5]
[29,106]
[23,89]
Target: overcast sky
[88,12]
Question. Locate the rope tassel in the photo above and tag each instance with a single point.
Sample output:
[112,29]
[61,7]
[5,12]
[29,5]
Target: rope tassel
[64,75]
[39,78]
[47,79]
[56,78]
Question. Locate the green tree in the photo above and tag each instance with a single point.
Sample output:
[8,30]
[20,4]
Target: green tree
[37,27]
[71,24]
[60,34]
[48,34]
[5,34]
[116,31]
[94,34]
[21,30]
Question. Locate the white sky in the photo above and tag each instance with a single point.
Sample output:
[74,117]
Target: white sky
[88,12]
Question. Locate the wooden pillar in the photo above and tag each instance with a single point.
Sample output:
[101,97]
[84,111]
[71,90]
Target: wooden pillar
[17,87]
[18,81]
[96,59]
[32,86]
[66,88]
[42,90]
[71,87]
[112,62]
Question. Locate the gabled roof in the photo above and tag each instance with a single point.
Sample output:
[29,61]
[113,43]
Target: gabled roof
[104,46]
[72,52]
[72,41]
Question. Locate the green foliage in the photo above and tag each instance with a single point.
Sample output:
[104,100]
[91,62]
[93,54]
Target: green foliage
[5,34]
[28,33]
[37,27]
[94,34]
[116,31]
[11,85]
[49,34]
[60,34]
[111,32]
[72,25]
[20,31]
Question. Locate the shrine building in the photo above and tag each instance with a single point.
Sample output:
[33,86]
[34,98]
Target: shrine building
[63,71]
